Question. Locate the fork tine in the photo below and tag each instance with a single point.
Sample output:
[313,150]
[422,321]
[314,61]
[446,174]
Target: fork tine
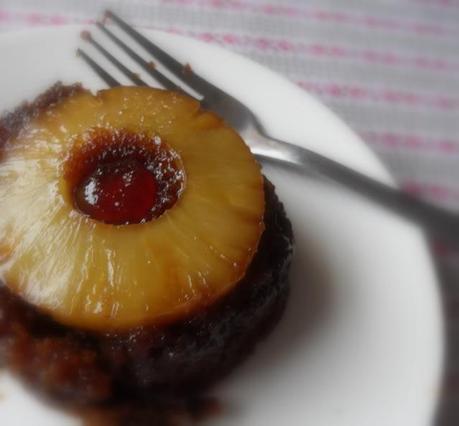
[104,75]
[179,70]
[161,78]
[86,35]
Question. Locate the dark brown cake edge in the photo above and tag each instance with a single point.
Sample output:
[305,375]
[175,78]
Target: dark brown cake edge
[11,123]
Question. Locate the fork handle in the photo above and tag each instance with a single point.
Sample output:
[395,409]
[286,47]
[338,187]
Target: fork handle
[443,223]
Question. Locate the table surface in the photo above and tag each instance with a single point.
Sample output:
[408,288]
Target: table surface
[389,68]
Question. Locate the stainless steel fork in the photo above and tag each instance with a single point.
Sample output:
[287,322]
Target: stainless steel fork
[443,223]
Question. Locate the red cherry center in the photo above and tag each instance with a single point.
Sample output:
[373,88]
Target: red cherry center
[120,178]
[118,193]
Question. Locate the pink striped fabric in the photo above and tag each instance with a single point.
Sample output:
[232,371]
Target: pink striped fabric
[320,14]
[390,67]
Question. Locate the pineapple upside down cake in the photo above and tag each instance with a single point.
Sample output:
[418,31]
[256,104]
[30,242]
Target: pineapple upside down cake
[141,248]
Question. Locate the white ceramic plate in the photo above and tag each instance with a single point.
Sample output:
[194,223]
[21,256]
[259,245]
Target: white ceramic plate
[361,343]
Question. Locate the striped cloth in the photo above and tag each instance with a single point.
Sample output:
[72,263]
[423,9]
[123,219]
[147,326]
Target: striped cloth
[390,68]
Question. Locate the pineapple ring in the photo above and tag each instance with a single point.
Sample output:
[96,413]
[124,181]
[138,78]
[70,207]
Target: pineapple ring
[93,275]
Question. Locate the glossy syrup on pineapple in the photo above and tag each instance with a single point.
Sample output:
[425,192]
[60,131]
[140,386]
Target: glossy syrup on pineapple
[119,177]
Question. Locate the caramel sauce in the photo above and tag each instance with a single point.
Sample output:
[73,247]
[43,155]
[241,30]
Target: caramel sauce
[120,178]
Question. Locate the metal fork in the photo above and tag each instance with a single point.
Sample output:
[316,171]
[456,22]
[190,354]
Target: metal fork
[441,222]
